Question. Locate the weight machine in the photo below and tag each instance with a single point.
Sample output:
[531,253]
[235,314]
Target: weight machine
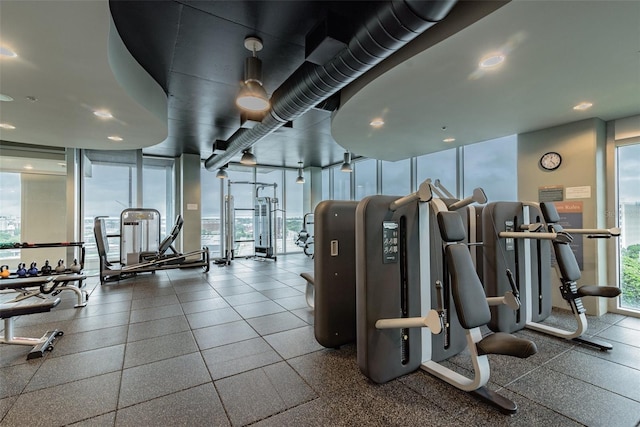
[264,222]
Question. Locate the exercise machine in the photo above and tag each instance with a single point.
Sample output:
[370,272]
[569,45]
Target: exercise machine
[331,291]
[140,257]
[264,212]
[401,294]
[519,237]
[306,235]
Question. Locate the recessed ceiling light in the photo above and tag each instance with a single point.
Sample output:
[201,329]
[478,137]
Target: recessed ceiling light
[492,60]
[6,52]
[5,98]
[583,106]
[7,126]
[448,140]
[377,122]
[104,114]
[28,167]
[115,138]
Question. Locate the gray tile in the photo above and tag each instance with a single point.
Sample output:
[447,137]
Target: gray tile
[159,301]
[105,420]
[6,404]
[227,333]
[270,284]
[622,354]
[159,348]
[98,322]
[197,296]
[599,372]
[245,298]
[305,314]
[239,357]
[292,303]
[93,309]
[630,322]
[623,335]
[583,402]
[213,317]
[90,340]
[17,354]
[257,394]
[161,378]
[294,342]
[226,291]
[66,403]
[156,328]
[258,309]
[277,322]
[15,378]
[155,313]
[196,406]
[72,367]
[280,293]
[204,305]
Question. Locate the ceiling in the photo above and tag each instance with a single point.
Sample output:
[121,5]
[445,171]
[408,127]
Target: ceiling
[71,58]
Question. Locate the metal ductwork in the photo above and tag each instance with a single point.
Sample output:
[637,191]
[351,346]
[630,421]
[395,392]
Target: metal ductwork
[390,28]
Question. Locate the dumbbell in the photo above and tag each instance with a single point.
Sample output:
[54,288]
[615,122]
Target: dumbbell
[4,271]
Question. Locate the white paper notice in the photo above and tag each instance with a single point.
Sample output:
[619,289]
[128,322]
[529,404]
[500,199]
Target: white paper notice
[578,192]
[192,206]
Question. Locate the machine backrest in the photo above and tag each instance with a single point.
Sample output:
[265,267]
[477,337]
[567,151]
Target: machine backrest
[100,233]
[468,294]
[549,212]
[566,259]
[172,236]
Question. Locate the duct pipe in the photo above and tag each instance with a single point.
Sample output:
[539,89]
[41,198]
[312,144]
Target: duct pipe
[394,25]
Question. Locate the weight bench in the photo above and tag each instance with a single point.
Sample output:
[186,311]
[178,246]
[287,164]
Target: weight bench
[8,311]
[38,285]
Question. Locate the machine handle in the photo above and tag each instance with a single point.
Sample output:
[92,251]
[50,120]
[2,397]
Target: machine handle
[478,196]
[439,296]
[422,195]
[432,320]
[512,283]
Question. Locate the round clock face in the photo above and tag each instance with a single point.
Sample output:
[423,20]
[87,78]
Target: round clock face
[550,161]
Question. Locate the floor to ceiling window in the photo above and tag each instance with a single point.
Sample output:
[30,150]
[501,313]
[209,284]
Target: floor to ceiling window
[366,172]
[493,166]
[628,159]
[33,205]
[441,167]
[396,177]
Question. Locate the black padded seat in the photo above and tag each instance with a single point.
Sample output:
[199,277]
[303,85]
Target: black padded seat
[599,291]
[11,310]
[507,345]
[567,263]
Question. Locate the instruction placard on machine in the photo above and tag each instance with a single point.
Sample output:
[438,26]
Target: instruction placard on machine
[389,241]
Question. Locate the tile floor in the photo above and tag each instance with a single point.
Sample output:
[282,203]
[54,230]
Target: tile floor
[236,347]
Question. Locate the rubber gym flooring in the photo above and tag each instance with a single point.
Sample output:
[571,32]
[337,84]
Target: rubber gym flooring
[235,346]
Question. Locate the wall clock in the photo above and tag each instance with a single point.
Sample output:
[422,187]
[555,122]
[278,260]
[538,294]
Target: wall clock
[550,161]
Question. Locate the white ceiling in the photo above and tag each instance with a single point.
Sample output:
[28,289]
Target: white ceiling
[67,52]
[561,53]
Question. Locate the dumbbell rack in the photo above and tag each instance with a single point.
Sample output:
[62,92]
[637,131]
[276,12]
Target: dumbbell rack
[61,279]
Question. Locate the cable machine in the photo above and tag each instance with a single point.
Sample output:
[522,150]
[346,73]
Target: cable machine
[264,222]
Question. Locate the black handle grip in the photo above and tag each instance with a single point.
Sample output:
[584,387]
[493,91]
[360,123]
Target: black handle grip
[512,282]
